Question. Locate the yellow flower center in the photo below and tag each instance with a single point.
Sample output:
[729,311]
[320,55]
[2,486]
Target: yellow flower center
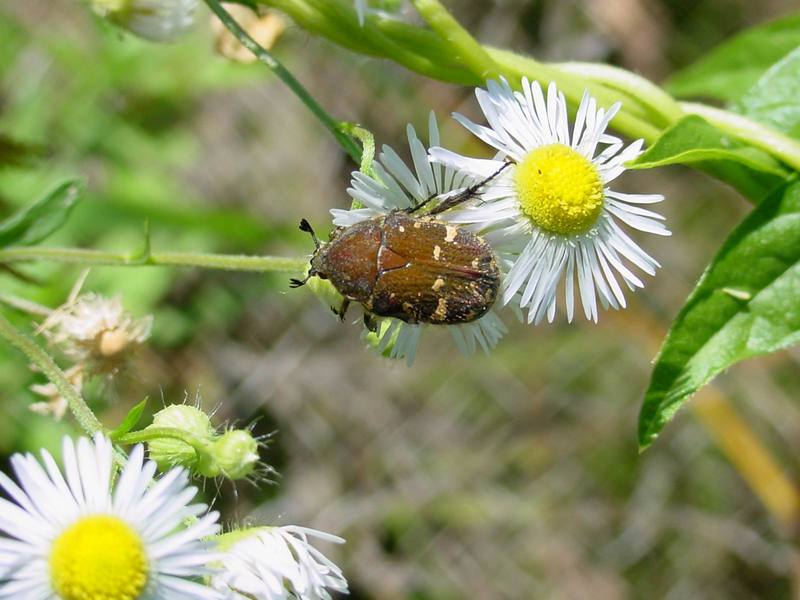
[559,190]
[99,558]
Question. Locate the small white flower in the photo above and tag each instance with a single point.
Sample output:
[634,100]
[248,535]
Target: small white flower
[74,534]
[361,9]
[95,330]
[155,20]
[56,405]
[278,563]
[397,187]
[554,203]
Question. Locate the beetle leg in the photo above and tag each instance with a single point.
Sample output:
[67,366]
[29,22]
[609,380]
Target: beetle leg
[422,204]
[342,310]
[370,322]
[467,193]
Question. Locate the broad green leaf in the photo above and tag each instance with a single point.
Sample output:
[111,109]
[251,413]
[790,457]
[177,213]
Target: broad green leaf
[746,304]
[775,99]
[38,220]
[736,65]
[694,141]
[130,420]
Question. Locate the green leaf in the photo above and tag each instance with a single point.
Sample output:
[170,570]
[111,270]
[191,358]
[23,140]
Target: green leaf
[746,304]
[775,99]
[694,141]
[38,220]
[130,420]
[735,66]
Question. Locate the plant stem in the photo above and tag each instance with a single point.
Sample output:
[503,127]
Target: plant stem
[642,90]
[83,414]
[178,259]
[154,433]
[757,134]
[284,75]
[466,49]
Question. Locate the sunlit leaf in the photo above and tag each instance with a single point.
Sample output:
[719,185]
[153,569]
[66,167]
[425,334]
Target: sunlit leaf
[746,304]
[775,99]
[736,65]
[694,141]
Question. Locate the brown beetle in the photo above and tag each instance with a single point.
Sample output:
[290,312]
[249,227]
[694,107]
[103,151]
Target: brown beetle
[416,269]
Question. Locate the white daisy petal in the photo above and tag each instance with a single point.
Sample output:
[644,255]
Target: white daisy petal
[50,508]
[275,563]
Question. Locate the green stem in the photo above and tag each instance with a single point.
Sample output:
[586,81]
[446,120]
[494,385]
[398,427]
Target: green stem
[637,87]
[328,19]
[83,414]
[515,66]
[177,259]
[284,75]
[456,57]
[466,49]
[153,433]
[757,134]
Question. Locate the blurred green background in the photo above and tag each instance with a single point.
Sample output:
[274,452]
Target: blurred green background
[514,475]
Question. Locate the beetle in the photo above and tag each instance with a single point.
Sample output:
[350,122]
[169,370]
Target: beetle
[418,269]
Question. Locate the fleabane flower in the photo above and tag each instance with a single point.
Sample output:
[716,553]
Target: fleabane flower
[277,563]
[397,187]
[95,331]
[77,535]
[154,20]
[553,202]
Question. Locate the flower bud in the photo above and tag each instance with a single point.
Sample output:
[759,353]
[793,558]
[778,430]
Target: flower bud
[236,454]
[170,452]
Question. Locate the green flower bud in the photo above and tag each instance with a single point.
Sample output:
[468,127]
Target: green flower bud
[236,454]
[169,452]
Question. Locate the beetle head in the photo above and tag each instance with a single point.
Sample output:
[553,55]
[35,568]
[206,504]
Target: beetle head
[306,226]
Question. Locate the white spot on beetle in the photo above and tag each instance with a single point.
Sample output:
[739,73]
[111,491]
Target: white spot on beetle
[402,229]
[437,251]
[438,284]
[451,233]
[440,314]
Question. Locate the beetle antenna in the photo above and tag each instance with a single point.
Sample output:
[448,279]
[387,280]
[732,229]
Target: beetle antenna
[296,283]
[468,193]
[306,226]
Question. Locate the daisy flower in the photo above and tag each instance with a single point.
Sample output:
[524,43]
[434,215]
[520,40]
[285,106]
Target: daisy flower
[154,20]
[74,535]
[397,187]
[278,563]
[554,202]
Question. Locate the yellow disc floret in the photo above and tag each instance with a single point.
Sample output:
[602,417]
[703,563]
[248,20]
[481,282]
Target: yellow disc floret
[100,557]
[559,189]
